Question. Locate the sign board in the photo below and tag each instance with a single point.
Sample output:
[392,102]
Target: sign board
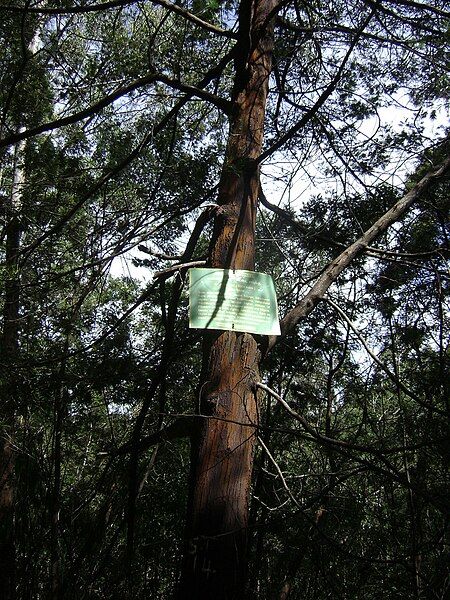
[233,300]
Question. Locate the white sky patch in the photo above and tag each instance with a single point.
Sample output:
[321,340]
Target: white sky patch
[293,183]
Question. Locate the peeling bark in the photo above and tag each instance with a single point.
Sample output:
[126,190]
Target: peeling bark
[222,452]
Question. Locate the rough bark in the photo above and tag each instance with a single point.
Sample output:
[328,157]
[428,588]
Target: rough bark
[222,452]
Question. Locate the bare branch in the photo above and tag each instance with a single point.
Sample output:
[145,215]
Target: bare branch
[161,255]
[309,428]
[210,76]
[288,218]
[174,268]
[279,471]
[406,43]
[335,268]
[320,101]
[181,428]
[194,19]
[415,22]
[392,376]
[421,6]
[70,10]
[220,103]
[80,115]
[342,446]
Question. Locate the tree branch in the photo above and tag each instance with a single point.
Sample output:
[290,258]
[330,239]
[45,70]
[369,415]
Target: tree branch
[181,428]
[392,376]
[95,108]
[174,268]
[320,101]
[279,471]
[210,76]
[421,6]
[295,224]
[301,419]
[408,43]
[161,255]
[80,115]
[194,19]
[220,103]
[71,10]
[335,268]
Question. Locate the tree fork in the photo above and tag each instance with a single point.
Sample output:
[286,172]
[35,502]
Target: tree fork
[222,452]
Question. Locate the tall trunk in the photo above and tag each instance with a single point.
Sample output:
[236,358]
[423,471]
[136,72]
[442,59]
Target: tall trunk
[55,500]
[416,557]
[9,350]
[222,451]
[10,347]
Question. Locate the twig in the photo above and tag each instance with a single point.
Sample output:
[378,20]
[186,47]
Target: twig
[379,362]
[280,473]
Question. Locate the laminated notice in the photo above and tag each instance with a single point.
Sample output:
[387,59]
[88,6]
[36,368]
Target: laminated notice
[233,300]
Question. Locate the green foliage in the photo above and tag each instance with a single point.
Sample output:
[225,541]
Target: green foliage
[364,515]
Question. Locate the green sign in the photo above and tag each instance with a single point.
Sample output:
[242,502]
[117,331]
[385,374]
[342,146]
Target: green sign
[233,300]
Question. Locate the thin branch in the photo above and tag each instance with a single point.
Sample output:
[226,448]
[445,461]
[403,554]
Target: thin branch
[342,446]
[414,22]
[161,255]
[284,430]
[407,44]
[335,268]
[281,212]
[194,19]
[174,268]
[71,10]
[210,76]
[80,115]
[220,103]
[204,217]
[309,428]
[180,428]
[392,376]
[95,108]
[421,6]
[417,255]
[280,473]
[320,101]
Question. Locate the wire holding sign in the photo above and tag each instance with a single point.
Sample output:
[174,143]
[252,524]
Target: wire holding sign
[233,300]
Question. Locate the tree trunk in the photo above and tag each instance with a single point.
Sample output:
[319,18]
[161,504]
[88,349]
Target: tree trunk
[10,346]
[9,349]
[222,451]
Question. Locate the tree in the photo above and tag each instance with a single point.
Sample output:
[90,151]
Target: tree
[130,152]
[223,447]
